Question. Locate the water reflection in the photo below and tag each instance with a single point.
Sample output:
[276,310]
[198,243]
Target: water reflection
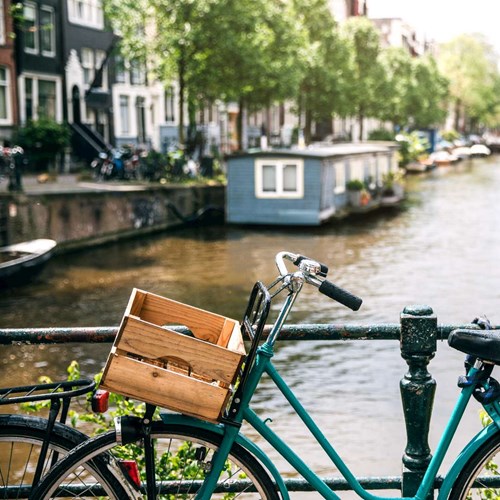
[441,250]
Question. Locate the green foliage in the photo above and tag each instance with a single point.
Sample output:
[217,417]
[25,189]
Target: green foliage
[368,78]
[411,147]
[469,62]
[381,134]
[355,185]
[42,140]
[450,135]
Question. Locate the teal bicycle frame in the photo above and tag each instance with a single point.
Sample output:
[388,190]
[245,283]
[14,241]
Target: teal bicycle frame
[230,431]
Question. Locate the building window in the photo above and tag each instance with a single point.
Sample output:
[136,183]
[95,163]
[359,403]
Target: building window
[137,72]
[86,13]
[47,99]
[47,39]
[279,178]
[40,98]
[124,114]
[30,28]
[2,22]
[120,69]
[88,65]
[170,104]
[4,95]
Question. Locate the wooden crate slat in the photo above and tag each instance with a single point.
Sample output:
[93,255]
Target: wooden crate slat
[166,389]
[161,311]
[207,360]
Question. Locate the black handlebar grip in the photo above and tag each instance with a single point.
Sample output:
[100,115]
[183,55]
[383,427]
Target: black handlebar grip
[340,295]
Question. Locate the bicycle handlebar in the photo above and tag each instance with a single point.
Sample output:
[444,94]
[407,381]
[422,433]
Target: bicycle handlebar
[314,273]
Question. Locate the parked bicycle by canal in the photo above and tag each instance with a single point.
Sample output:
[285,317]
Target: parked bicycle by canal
[209,456]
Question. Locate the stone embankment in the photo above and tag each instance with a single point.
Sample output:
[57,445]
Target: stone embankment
[82,214]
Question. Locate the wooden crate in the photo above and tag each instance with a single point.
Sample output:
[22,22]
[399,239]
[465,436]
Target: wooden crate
[152,363]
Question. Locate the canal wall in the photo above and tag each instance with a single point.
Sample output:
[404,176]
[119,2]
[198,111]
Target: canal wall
[78,219]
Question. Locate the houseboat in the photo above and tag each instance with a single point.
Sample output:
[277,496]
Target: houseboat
[312,185]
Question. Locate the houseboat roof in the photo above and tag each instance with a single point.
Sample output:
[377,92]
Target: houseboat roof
[321,150]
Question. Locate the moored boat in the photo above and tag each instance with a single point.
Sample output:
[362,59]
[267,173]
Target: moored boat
[21,262]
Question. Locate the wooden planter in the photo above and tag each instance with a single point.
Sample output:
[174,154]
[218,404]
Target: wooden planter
[152,363]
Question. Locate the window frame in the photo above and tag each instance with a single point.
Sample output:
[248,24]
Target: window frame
[52,14]
[34,25]
[6,85]
[280,165]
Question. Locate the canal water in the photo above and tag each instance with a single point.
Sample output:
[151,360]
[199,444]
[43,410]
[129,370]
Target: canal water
[441,249]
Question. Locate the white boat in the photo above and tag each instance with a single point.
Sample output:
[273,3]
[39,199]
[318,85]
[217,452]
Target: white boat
[480,150]
[20,262]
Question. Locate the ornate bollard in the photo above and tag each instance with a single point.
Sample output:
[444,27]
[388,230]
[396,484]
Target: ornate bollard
[418,346]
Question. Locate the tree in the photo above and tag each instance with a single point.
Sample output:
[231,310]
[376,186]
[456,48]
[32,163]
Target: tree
[428,95]
[469,63]
[323,87]
[251,54]
[414,91]
[368,74]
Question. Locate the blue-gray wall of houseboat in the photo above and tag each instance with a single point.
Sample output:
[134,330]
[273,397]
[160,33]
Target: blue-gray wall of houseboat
[319,203]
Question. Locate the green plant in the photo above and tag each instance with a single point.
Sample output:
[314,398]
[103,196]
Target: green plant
[355,185]
[42,140]
[411,147]
[450,135]
[381,134]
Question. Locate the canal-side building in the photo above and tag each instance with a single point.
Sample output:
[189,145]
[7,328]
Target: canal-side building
[309,186]
[86,49]
[39,61]
[8,85]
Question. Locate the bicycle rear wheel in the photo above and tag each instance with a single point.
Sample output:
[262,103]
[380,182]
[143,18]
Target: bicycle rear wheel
[480,476]
[182,456]
[21,440]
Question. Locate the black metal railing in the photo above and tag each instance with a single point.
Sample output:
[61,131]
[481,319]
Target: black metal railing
[417,332]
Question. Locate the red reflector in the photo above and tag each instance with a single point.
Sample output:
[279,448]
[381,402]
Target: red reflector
[131,470]
[100,401]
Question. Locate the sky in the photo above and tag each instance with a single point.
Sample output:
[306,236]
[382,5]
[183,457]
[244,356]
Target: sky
[442,20]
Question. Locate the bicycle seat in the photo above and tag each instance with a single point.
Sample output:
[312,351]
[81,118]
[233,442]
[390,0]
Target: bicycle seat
[483,344]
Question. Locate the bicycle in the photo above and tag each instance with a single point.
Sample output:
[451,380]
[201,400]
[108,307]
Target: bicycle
[179,456]
[30,445]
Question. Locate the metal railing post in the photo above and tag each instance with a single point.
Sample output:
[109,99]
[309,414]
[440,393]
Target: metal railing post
[418,346]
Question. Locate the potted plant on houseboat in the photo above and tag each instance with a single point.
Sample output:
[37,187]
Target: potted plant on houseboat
[357,193]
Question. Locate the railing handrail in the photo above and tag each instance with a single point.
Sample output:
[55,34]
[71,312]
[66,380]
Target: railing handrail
[312,331]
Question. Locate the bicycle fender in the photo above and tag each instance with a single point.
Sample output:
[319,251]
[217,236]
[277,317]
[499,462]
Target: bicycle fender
[464,456]
[243,441]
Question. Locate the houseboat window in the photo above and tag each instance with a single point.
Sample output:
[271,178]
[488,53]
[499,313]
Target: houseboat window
[279,178]
[290,178]
[47,41]
[269,183]
[339,178]
[356,169]
[30,28]
[4,92]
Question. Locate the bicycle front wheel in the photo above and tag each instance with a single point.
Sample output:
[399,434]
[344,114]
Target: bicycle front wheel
[480,477]
[182,457]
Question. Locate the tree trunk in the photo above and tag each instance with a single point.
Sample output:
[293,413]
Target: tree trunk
[361,119]
[308,126]
[182,96]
